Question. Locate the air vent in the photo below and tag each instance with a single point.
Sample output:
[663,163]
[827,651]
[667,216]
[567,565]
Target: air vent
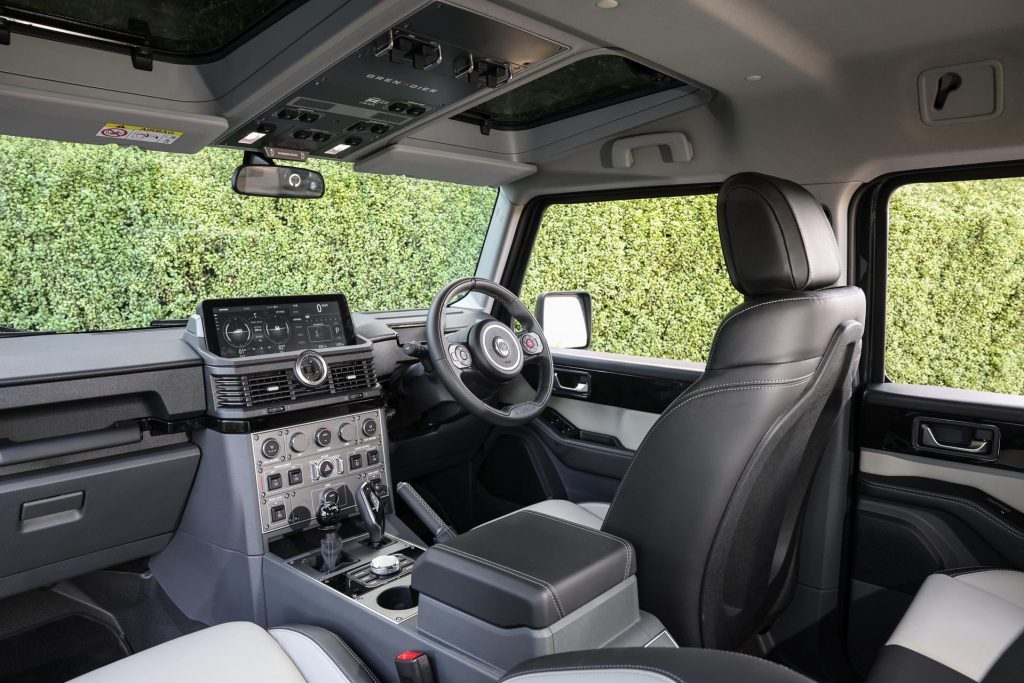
[281,386]
[310,103]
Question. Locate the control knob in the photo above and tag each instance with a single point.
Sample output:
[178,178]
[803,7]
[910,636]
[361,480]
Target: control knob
[385,565]
[347,432]
[322,437]
[299,442]
[271,449]
[370,427]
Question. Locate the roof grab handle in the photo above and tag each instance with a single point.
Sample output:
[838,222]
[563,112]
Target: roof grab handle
[676,144]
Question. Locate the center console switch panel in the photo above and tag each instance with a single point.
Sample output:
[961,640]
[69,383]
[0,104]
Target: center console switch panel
[524,570]
[300,467]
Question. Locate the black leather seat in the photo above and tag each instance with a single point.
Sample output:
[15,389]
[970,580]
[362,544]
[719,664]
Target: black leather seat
[714,497]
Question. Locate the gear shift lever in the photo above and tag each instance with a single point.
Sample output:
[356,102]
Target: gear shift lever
[371,509]
[328,517]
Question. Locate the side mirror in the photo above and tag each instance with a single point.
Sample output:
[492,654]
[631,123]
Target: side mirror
[261,180]
[566,319]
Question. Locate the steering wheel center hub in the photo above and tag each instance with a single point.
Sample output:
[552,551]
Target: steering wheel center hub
[496,350]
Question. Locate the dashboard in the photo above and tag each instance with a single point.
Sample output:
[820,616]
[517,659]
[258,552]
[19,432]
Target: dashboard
[238,328]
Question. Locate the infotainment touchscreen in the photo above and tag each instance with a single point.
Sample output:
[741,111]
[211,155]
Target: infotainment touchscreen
[237,328]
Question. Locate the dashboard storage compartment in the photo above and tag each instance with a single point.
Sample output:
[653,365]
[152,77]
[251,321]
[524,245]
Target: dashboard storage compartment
[65,521]
[528,584]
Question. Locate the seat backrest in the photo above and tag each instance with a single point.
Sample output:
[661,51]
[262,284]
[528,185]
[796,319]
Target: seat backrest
[714,497]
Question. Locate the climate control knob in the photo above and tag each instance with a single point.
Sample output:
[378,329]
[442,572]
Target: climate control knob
[299,442]
[370,428]
[347,432]
[326,468]
[322,437]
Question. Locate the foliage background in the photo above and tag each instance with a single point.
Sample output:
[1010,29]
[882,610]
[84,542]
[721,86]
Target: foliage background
[112,237]
[108,237]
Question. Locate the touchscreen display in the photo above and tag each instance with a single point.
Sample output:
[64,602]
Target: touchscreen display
[237,328]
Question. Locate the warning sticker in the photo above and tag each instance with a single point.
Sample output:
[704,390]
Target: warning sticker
[121,131]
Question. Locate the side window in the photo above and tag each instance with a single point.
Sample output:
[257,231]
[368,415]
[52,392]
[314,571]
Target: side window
[654,268]
[955,285]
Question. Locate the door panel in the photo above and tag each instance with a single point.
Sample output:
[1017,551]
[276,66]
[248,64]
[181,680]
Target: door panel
[593,435]
[928,505]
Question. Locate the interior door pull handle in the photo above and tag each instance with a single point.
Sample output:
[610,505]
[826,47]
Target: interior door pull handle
[977,447]
[582,386]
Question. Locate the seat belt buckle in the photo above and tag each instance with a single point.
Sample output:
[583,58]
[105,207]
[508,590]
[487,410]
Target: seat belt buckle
[414,667]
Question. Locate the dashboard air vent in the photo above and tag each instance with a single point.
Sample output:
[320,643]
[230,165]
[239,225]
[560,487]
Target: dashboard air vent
[281,386]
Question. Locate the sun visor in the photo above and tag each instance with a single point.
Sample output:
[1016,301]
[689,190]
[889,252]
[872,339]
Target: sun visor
[35,114]
[432,164]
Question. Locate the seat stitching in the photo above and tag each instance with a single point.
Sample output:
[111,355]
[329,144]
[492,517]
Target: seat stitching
[342,667]
[598,667]
[740,312]
[553,593]
[672,409]
[625,544]
[756,381]
[951,499]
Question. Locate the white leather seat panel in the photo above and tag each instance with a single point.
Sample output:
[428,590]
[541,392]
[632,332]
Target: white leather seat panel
[238,651]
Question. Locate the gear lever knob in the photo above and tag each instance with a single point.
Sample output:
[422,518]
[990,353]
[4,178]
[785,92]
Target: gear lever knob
[328,515]
[371,509]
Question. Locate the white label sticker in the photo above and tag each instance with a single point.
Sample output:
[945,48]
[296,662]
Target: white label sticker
[121,131]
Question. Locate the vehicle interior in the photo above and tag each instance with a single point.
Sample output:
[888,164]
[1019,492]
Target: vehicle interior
[480,340]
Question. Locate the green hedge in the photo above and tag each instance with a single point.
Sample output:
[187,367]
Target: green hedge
[108,237]
[112,237]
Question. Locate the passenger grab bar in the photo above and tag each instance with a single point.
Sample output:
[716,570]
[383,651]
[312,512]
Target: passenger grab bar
[118,434]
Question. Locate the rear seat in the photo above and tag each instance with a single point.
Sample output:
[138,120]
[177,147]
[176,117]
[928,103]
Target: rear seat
[963,626]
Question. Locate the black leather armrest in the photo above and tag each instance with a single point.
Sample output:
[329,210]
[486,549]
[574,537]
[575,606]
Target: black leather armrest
[655,664]
[524,569]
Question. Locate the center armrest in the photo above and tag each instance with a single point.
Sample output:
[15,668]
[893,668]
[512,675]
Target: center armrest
[524,569]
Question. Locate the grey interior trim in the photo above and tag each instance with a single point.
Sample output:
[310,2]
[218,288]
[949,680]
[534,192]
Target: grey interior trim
[630,426]
[1004,485]
[453,167]
[678,145]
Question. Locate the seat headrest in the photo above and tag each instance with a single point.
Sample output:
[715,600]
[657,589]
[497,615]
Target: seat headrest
[775,236]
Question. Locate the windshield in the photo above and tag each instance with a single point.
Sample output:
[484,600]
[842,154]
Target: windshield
[109,237]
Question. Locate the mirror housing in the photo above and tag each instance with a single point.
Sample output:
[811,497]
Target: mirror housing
[566,318]
[266,180]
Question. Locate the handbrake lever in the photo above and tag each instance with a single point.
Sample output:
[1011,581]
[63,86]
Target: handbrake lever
[441,532]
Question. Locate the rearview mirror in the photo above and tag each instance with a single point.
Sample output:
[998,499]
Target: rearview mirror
[277,181]
[565,318]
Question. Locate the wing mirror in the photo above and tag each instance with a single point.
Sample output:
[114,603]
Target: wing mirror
[566,319]
[264,179]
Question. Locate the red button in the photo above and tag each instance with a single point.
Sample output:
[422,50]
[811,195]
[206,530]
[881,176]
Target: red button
[529,343]
[408,656]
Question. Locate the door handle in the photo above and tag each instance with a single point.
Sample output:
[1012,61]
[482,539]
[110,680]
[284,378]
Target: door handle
[582,386]
[976,447]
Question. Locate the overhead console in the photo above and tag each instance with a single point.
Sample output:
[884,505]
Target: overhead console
[427,62]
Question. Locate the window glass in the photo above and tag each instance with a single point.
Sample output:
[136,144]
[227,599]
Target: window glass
[174,26]
[581,86]
[955,292]
[654,268]
[109,237]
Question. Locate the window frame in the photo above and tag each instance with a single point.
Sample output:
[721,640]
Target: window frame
[528,227]
[869,217]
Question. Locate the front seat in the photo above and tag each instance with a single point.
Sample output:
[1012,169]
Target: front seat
[714,497]
[242,651]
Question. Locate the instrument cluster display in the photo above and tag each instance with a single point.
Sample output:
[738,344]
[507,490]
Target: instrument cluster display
[241,328]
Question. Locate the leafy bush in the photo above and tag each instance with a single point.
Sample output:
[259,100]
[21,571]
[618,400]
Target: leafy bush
[107,237]
[654,268]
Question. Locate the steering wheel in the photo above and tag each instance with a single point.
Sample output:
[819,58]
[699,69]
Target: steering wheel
[489,349]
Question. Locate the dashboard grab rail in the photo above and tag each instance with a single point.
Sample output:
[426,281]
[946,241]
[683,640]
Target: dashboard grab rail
[118,434]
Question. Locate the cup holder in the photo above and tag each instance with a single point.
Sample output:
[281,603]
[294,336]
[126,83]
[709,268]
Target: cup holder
[398,598]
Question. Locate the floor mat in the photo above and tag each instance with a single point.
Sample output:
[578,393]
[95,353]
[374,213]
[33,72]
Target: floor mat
[59,650]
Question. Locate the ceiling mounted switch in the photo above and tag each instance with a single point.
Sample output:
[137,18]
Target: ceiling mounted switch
[960,94]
